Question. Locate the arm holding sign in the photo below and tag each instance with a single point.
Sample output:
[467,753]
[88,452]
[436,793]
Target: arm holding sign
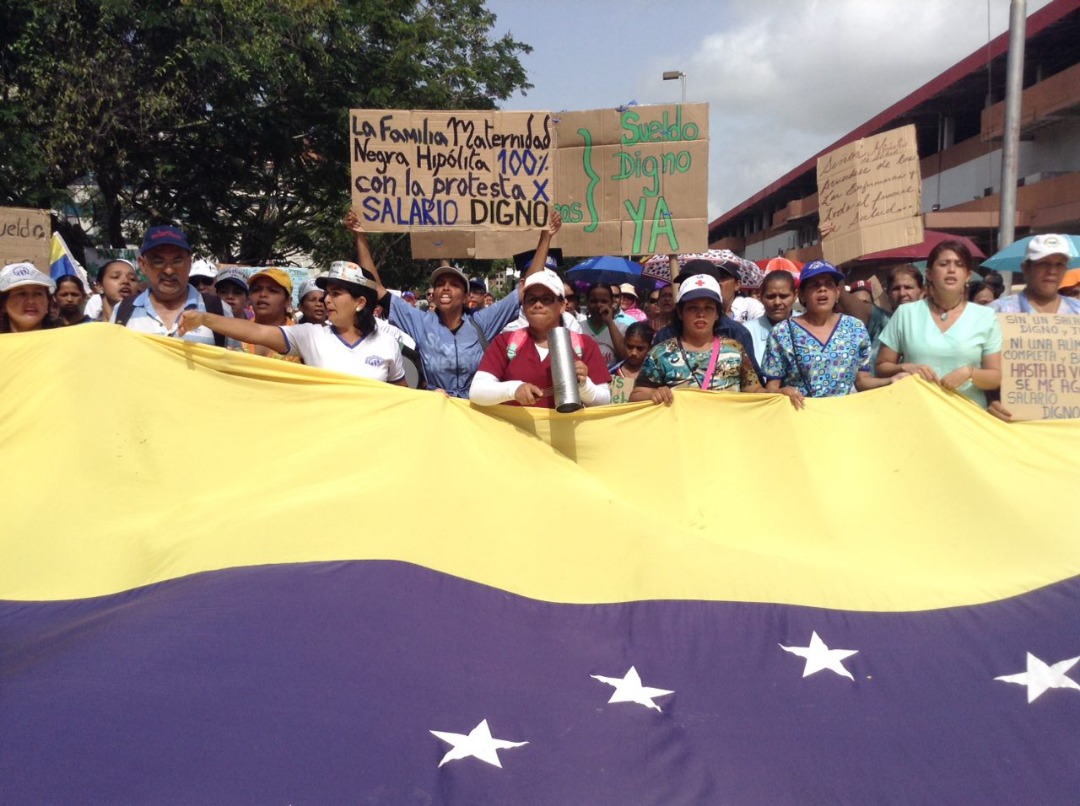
[540,256]
[363,250]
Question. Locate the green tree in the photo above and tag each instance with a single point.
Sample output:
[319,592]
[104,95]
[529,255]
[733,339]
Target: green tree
[228,117]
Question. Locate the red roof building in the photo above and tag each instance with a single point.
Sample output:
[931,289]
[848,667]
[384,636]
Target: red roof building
[959,130]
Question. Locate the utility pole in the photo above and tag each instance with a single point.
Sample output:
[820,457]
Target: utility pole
[1010,148]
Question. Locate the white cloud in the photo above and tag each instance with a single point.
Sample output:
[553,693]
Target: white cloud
[789,77]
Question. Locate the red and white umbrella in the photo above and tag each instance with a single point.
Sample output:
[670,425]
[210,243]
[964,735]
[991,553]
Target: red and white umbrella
[749,274]
[783,264]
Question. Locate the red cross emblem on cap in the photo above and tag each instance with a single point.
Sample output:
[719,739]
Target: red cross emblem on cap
[700,282]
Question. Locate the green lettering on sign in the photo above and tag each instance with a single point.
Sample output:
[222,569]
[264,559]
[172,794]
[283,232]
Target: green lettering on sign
[594,180]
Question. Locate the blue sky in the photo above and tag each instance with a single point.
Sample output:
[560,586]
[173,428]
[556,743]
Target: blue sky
[784,78]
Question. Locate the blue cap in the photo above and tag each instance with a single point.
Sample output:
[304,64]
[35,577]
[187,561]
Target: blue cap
[816,268]
[164,236]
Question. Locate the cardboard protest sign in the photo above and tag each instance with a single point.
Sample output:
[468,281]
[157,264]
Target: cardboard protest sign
[627,181]
[871,192]
[1040,365]
[448,170]
[471,244]
[25,236]
[633,181]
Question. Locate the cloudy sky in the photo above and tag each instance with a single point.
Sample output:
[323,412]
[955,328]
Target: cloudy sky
[784,78]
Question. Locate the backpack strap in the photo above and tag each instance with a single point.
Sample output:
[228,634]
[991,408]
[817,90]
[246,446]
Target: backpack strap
[519,337]
[213,304]
[479,334]
[576,342]
[124,310]
[517,341]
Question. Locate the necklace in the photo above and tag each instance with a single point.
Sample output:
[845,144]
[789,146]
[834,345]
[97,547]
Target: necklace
[946,311]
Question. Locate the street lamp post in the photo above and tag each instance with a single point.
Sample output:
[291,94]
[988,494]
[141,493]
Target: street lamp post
[671,75]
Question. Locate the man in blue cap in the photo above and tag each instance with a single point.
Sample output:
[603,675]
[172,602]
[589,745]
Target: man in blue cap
[165,259]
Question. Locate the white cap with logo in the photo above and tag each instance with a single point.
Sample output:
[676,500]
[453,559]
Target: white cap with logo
[15,275]
[1042,246]
[700,286]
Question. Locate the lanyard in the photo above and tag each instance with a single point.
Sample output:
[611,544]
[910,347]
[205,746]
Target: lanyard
[707,380]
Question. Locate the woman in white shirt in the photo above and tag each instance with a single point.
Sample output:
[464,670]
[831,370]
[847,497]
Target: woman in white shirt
[350,342]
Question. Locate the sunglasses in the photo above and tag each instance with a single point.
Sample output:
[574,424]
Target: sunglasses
[545,300]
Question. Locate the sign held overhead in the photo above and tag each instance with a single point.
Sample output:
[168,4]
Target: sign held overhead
[870,191]
[628,181]
[424,170]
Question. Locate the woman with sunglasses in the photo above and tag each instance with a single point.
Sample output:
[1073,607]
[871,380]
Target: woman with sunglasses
[516,369]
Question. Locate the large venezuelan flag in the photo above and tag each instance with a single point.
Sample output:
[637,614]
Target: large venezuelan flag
[226,579]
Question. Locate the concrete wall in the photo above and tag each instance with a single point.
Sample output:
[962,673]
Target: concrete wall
[1056,148]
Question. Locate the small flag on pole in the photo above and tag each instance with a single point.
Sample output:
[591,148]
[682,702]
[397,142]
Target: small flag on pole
[61,262]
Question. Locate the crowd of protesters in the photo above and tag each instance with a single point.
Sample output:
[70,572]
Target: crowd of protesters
[807,336]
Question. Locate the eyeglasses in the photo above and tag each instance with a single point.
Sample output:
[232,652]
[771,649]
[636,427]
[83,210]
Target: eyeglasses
[158,263]
[546,300]
[653,301]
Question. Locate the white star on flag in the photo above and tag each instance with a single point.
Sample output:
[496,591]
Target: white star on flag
[1039,676]
[818,656]
[628,688]
[478,744]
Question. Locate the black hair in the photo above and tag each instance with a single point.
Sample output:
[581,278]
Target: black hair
[640,330]
[677,322]
[780,274]
[100,277]
[980,285]
[595,286]
[365,319]
[70,278]
[958,247]
[46,323]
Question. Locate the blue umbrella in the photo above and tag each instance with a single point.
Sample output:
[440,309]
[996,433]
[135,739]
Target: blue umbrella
[606,269]
[1010,258]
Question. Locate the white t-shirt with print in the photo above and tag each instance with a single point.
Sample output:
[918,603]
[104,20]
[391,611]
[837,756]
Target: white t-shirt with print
[378,356]
[603,340]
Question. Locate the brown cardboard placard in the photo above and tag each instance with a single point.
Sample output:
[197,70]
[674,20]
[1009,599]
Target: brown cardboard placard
[633,180]
[25,235]
[871,191]
[469,244]
[415,170]
[627,181]
[1040,365]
